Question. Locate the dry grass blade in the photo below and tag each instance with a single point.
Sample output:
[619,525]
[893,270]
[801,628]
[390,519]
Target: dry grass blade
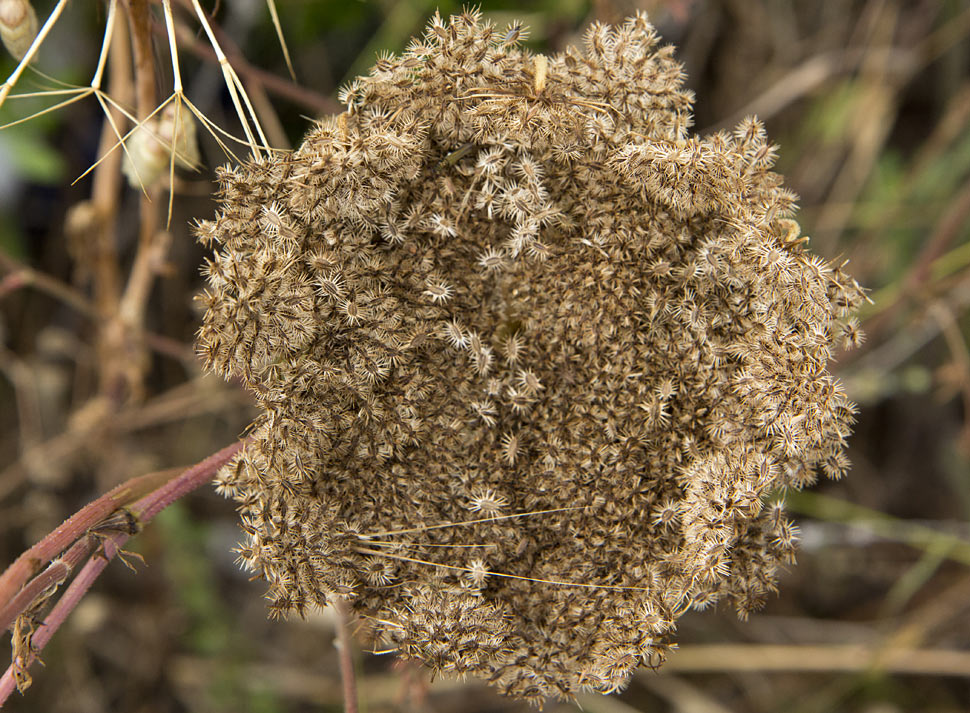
[766,658]
[469,570]
[32,51]
[271,4]
[462,523]
[248,120]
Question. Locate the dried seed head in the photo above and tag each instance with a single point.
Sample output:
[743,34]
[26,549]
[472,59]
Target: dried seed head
[487,502]
[663,339]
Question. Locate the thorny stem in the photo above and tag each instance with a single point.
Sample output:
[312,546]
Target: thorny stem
[345,653]
[72,596]
[148,507]
[77,529]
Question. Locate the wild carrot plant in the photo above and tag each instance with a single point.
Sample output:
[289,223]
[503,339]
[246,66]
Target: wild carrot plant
[531,357]
[534,363]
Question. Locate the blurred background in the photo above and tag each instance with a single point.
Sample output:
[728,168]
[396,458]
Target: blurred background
[869,101]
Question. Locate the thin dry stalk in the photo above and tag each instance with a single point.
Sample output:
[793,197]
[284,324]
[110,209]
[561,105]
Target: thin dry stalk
[762,658]
[312,101]
[345,652]
[107,178]
[135,297]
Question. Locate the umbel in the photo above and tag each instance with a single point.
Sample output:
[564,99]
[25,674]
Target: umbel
[531,358]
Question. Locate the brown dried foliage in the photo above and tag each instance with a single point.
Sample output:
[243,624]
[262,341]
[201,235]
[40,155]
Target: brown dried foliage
[531,358]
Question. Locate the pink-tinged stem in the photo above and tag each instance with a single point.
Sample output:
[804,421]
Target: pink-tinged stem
[144,510]
[55,573]
[150,505]
[70,599]
[72,529]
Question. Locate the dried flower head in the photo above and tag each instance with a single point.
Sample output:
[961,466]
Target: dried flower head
[530,357]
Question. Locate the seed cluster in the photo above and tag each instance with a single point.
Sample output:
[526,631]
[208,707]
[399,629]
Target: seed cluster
[531,358]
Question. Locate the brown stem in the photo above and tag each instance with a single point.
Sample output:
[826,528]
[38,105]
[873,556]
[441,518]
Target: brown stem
[65,446]
[345,654]
[21,276]
[99,231]
[170,347]
[139,16]
[123,334]
[106,186]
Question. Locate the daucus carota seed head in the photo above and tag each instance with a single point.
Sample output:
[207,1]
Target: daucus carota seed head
[596,409]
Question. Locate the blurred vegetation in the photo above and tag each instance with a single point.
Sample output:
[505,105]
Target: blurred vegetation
[870,103]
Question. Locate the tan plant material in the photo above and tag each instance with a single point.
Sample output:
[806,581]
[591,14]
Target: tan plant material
[531,358]
[18,26]
[152,145]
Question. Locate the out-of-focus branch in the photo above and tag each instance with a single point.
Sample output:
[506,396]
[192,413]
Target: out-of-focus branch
[765,658]
[896,298]
[20,276]
[280,86]
[123,338]
[345,654]
[107,177]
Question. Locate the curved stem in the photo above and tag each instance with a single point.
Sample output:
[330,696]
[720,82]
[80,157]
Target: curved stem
[37,557]
[55,573]
[159,496]
[72,596]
